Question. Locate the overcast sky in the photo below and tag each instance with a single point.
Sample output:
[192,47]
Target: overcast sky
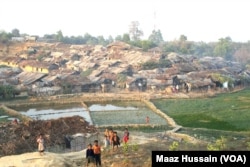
[199,20]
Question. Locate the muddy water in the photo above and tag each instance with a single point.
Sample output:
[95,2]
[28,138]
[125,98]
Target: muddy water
[53,113]
[98,114]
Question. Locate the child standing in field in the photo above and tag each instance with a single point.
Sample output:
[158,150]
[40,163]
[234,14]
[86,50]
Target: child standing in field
[111,134]
[126,136]
[89,154]
[115,140]
[97,153]
[106,138]
[40,141]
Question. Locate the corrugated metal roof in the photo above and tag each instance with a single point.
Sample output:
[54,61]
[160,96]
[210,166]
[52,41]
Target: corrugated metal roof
[29,77]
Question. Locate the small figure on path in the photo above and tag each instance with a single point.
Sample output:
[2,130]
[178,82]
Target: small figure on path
[40,141]
[147,120]
[15,122]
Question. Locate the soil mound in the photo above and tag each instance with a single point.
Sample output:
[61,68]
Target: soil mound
[21,138]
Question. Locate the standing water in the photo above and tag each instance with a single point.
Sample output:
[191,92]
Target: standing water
[52,113]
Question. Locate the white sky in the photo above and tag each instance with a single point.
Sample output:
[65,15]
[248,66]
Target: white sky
[199,20]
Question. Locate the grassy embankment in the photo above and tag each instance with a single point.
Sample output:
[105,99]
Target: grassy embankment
[229,111]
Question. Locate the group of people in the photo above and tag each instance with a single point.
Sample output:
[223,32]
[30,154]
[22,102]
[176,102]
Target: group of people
[93,153]
[113,140]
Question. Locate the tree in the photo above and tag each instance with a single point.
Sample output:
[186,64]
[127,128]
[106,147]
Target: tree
[134,31]
[4,37]
[15,33]
[101,40]
[59,36]
[184,45]
[242,55]
[156,37]
[110,39]
[224,48]
[183,38]
[7,91]
[118,38]
[126,38]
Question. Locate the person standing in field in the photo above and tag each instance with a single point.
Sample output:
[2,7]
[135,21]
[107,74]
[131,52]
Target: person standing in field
[126,136]
[111,134]
[106,138]
[40,141]
[116,141]
[97,153]
[89,154]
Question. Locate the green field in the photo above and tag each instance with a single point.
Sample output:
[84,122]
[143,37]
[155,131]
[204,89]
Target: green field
[2,113]
[229,111]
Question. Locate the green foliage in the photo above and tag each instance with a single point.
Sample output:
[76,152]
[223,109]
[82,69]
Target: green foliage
[7,91]
[135,147]
[248,146]
[144,44]
[126,38]
[220,144]
[150,65]
[118,38]
[5,37]
[224,48]
[156,37]
[174,146]
[129,148]
[125,148]
[221,78]
[3,66]
[86,73]
[59,36]
[121,78]
[15,32]
[183,38]
[40,57]
[227,111]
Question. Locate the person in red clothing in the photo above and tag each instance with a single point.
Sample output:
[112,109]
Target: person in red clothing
[126,136]
[97,153]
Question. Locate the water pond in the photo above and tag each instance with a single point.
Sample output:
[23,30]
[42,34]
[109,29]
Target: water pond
[56,112]
[115,113]
[110,114]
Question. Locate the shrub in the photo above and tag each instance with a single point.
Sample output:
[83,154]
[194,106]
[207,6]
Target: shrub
[174,146]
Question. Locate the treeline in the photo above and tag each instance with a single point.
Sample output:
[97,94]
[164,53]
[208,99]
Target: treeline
[224,47]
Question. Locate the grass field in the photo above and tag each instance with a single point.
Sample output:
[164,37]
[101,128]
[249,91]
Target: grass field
[2,113]
[229,111]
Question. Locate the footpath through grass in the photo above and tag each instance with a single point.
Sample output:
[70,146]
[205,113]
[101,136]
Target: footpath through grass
[229,111]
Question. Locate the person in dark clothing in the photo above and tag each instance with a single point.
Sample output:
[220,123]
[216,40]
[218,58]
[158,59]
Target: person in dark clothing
[115,140]
[89,154]
[67,141]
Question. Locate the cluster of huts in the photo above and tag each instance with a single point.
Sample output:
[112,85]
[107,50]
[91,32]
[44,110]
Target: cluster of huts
[55,68]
